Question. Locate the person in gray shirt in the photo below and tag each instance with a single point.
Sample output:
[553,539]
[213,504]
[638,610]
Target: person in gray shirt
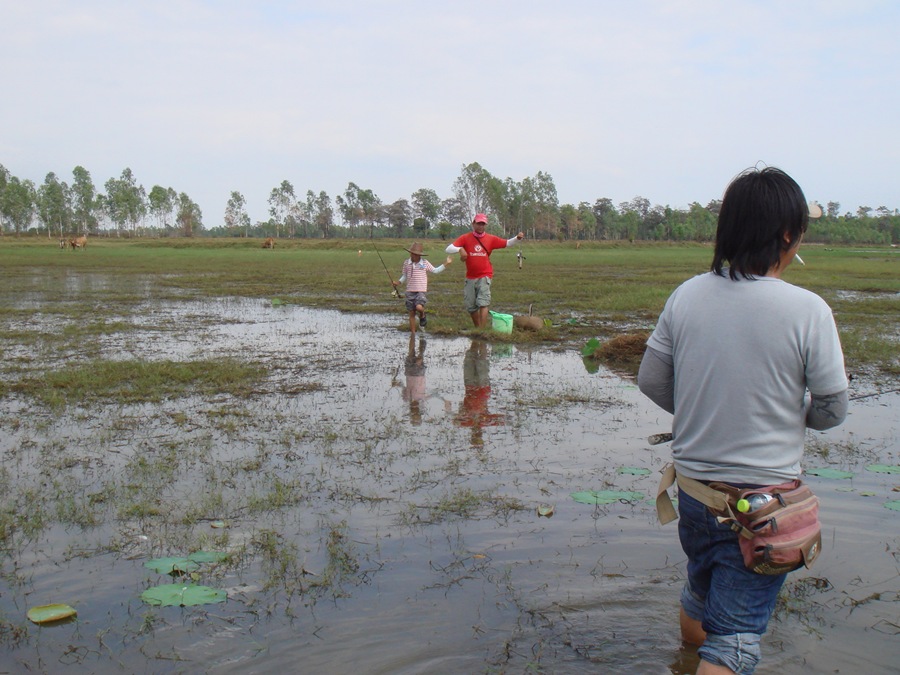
[745,362]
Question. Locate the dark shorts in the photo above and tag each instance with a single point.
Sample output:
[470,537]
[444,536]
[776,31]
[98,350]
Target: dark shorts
[413,299]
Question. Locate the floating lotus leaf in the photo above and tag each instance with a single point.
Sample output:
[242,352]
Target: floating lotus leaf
[207,556]
[606,496]
[883,468]
[181,595]
[590,347]
[829,473]
[50,613]
[179,565]
[893,505]
[591,365]
[632,471]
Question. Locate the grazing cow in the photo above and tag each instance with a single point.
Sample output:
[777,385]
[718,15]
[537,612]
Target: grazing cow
[64,243]
[78,242]
[269,242]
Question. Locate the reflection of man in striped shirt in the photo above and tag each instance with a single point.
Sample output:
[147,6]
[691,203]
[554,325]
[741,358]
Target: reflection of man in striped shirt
[415,274]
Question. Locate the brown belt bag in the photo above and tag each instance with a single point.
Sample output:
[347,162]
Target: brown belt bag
[779,537]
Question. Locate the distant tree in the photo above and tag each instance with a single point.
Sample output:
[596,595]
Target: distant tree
[444,228]
[236,214]
[17,203]
[125,201]
[863,211]
[605,215]
[399,215]
[426,206]
[161,205]
[471,188]
[84,201]
[4,180]
[587,221]
[420,227]
[281,202]
[546,205]
[456,213]
[53,204]
[189,217]
[833,209]
[324,213]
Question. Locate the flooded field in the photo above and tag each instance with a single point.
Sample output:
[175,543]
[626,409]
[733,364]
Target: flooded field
[385,505]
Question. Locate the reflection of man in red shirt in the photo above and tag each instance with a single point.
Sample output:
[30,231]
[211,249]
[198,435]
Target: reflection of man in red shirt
[473,412]
[475,249]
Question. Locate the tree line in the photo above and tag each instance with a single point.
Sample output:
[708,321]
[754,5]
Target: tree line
[125,208]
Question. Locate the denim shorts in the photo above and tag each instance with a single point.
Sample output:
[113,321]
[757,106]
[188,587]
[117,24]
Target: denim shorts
[732,602]
[477,293]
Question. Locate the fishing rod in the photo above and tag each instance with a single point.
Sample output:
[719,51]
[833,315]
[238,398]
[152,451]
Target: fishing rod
[394,291]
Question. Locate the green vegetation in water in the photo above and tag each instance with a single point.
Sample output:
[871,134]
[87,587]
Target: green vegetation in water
[140,381]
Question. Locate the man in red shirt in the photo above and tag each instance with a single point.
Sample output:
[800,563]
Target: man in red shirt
[475,249]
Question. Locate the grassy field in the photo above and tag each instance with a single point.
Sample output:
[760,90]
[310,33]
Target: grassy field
[597,290]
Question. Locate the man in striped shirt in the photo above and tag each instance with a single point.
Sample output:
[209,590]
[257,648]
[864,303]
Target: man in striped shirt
[415,274]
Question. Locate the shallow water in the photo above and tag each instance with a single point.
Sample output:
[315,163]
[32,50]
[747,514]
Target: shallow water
[374,435]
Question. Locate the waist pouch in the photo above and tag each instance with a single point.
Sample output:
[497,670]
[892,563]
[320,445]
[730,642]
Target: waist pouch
[781,536]
[777,538]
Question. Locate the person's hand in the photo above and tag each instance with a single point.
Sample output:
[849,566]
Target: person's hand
[448,260]
[521,235]
[395,283]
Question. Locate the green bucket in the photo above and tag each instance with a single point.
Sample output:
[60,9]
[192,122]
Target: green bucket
[502,323]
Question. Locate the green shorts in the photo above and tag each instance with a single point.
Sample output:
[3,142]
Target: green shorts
[477,293]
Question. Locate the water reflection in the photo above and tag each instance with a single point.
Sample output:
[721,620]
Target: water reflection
[414,391]
[473,411]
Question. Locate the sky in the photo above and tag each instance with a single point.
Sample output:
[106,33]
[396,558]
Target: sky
[665,100]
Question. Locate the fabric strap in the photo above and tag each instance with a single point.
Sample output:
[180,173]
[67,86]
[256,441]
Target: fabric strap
[717,500]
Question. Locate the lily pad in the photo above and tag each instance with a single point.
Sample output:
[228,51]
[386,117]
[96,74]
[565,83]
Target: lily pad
[893,505]
[179,565]
[632,471]
[590,347]
[883,468]
[825,472]
[49,613]
[605,496]
[207,556]
[180,595]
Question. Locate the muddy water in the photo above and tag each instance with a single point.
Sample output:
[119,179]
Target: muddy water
[410,541]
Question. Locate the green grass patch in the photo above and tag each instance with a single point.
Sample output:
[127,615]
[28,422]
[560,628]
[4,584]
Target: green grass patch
[141,381]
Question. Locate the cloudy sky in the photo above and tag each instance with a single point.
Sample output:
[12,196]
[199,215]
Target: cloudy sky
[664,100]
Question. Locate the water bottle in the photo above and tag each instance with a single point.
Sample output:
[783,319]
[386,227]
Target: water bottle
[754,502]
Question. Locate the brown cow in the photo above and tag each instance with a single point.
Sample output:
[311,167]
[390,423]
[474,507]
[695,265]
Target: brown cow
[78,242]
[64,243]
[269,242]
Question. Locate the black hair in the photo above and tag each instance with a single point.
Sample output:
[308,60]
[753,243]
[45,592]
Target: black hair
[760,206]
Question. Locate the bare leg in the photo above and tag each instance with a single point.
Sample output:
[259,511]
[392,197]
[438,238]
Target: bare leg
[474,316]
[707,668]
[412,322]
[691,630]
[482,317]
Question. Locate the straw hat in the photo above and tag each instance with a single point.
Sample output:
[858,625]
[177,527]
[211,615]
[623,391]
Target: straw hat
[416,249]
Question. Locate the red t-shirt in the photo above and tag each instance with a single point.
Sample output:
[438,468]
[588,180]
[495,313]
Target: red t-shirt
[478,262]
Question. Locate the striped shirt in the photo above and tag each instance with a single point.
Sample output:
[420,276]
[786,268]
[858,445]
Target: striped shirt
[416,275]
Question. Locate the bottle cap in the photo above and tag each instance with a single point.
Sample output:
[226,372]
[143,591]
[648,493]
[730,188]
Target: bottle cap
[743,505]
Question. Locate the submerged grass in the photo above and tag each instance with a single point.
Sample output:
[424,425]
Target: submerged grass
[140,381]
[599,289]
